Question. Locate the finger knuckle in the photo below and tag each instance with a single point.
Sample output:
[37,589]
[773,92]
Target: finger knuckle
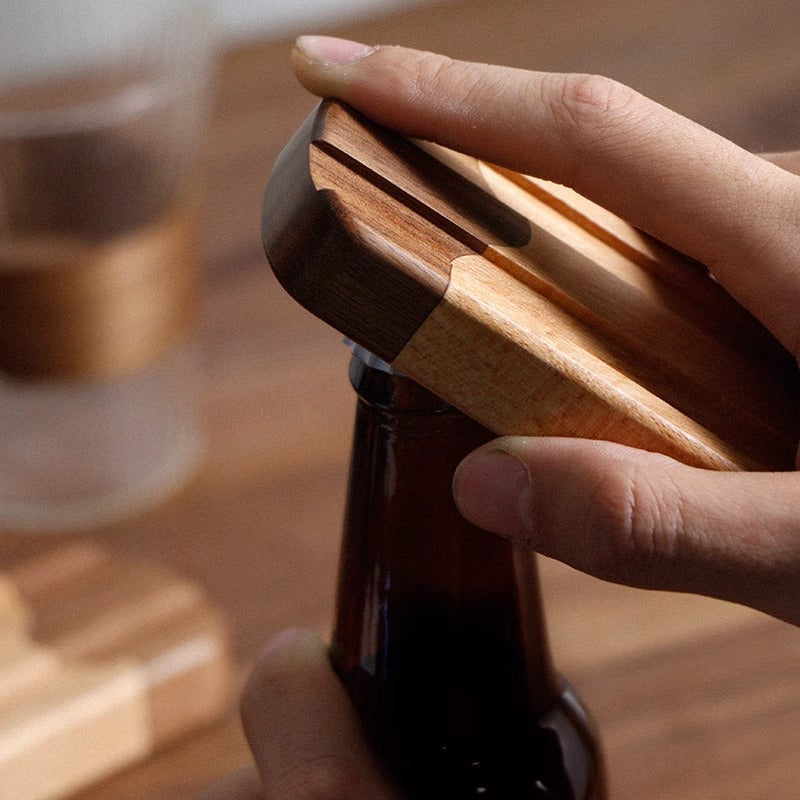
[641,524]
[464,90]
[586,106]
[428,74]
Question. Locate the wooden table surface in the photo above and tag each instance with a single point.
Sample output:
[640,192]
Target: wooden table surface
[695,699]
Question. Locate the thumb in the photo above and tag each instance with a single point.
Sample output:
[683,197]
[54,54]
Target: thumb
[642,519]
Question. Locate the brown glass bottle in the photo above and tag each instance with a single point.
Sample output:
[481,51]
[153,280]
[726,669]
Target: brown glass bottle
[439,634]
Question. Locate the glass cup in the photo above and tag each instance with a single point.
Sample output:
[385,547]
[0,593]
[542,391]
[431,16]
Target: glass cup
[103,109]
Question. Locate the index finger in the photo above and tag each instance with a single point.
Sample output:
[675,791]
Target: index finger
[698,192]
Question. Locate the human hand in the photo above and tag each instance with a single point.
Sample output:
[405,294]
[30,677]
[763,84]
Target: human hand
[304,733]
[624,515]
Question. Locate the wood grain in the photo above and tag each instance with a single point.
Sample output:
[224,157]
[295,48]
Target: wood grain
[352,279]
[536,311]
[115,660]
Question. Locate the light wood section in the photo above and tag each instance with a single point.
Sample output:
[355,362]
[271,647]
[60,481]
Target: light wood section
[23,665]
[487,335]
[14,616]
[75,728]
[116,659]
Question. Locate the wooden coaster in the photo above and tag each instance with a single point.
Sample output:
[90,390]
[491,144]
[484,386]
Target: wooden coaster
[103,660]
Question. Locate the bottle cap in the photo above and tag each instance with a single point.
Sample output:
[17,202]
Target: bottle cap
[369,358]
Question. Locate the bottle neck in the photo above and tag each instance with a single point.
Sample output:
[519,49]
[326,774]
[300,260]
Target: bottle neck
[377,384]
[427,603]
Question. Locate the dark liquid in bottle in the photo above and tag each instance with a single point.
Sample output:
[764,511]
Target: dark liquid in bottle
[439,632]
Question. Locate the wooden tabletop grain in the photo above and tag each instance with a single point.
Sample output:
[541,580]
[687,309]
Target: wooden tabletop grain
[695,699]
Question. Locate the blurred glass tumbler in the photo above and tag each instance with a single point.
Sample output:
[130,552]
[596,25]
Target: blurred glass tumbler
[103,106]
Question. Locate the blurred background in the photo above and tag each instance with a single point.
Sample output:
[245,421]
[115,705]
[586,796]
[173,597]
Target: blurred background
[248,19]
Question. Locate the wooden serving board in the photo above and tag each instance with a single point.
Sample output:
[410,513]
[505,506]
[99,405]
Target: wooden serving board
[103,660]
[527,306]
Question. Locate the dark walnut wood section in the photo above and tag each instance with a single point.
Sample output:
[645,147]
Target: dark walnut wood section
[361,226]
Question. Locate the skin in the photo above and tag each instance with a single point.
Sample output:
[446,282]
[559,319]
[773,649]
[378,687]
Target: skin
[621,514]
[302,729]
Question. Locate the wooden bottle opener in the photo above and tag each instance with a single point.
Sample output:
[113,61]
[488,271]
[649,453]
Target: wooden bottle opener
[522,303]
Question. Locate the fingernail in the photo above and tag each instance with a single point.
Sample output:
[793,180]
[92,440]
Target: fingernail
[492,490]
[330,50]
